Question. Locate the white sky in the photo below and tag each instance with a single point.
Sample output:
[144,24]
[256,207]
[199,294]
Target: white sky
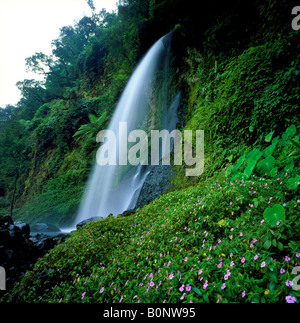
[29,26]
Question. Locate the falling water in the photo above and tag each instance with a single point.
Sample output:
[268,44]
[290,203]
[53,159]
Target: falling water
[114,189]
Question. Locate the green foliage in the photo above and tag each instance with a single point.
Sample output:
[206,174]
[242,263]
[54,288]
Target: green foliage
[90,130]
[230,239]
[274,214]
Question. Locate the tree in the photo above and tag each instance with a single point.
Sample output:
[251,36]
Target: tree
[13,156]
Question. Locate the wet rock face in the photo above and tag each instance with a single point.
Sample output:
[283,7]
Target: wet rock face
[18,250]
[155,184]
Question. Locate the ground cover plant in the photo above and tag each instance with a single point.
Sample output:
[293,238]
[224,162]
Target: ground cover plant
[234,238]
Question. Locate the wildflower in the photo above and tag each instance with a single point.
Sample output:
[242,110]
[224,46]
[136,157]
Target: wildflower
[255,257]
[282,270]
[287,258]
[241,234]
[101,290]
[263,264]
[223,286]
[220,265]
[289,283]
[267,291]
[171,276]
[290,299]
[205,285]
[151,284]
[83,295]
[243,294]
[182,297]
[188,288]
[243,260]
[231,264]
[185,259]
[297,254]
[200,271]
[181,288]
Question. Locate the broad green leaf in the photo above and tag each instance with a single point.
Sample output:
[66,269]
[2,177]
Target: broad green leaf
[253,157]
[289,132]
[93,118]
[196,290]
[293,182]
[274,171]
[267,244]
[274,214]
[289,167]
[239,162]
[269,136]
[266,165]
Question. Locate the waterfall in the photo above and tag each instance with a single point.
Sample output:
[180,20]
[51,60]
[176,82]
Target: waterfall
[143,105]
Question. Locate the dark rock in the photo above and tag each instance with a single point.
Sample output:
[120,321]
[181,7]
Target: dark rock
[24,228]
[156,183]
[14,231]
[84,222]
[127,213]
[18,251]
[8,219]
[45,244]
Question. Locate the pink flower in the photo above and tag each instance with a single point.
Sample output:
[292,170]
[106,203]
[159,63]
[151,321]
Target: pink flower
[289,283]
[223,286]
[290,299]
[188,288]
[205,285]
[243,260]
[82,296]
[282,270]
[101,290]
[263,264]
[255,257]
[181,288]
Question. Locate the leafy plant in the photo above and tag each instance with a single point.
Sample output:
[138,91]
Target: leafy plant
[90,130]
[274,214]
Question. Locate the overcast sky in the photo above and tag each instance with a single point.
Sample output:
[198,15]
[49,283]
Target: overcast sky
[29,26]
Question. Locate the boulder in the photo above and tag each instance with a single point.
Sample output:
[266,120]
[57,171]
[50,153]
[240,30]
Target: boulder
[23,227]
[127,213]
[84,222]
